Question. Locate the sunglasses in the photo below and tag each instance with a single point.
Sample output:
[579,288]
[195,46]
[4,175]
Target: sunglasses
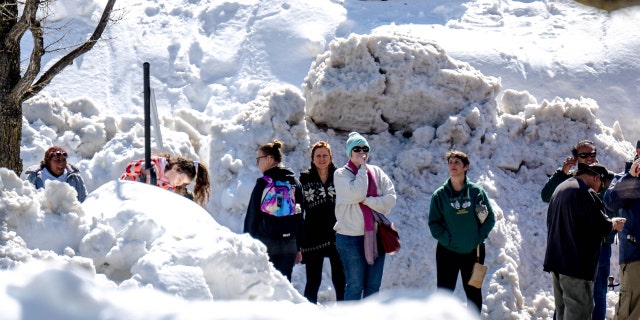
[59,153]
[358,149]
[587,155]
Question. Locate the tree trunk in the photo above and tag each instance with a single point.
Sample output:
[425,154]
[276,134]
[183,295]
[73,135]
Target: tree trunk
[10,108]
[10,135]
[16,86]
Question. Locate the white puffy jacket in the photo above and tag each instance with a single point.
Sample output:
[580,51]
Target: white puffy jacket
[352,189]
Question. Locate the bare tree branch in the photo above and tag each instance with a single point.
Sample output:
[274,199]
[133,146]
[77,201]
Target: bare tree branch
[67,60]
[35,62]
[28,16]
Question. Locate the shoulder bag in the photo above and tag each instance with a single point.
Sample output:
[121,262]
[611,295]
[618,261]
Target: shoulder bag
[388,234]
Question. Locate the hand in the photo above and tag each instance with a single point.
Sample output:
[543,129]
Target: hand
[361,159]
[635,168]
[618,223]
[567,164]
[298,257]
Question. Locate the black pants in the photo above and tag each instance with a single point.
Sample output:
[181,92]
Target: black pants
[314,261]
[282,253]
[449,264]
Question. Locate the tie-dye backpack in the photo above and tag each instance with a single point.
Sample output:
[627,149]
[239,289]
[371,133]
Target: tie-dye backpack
[278,198]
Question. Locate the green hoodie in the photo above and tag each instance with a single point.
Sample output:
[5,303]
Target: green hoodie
[452,217]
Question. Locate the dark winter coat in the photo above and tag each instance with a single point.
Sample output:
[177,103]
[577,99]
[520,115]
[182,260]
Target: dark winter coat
[452,217]
[576,223]
[320,209]
[559,177]
[624,195]
[74,179]
[261,225]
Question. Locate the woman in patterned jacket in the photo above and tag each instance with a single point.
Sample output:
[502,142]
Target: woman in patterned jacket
[320,217]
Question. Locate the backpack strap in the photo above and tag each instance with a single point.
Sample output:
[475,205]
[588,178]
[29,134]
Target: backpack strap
[264,191]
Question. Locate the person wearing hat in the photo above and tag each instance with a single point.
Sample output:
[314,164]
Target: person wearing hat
[576,223]
[624,197]
[54,167]
[361,188]
[585,152]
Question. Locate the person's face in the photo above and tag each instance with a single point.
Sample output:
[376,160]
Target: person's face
[321,158]
[587,154]
[176,177]
[58,164]
[456,167]
[264,162]
[358,152]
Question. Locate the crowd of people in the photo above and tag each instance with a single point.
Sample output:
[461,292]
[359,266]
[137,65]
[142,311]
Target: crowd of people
[328,212]
[335,219]
[173,174]
[588,207]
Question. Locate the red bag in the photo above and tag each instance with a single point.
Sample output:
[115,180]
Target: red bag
[387,234]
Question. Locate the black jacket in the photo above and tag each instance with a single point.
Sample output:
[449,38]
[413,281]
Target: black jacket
[320,209]
[261,225]
[576,223]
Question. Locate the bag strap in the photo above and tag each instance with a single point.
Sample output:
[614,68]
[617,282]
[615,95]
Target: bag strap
[478,254]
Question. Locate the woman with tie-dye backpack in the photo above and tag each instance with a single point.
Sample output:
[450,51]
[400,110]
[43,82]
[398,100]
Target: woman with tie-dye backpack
[274,215]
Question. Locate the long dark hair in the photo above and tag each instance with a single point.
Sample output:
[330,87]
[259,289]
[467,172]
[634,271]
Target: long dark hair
[196,171]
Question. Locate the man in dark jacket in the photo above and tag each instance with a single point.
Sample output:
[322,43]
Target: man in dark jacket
[585,152]
[576,223]
[624,195]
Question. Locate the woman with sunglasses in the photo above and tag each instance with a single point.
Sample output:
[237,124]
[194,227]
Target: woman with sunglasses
[281,232]
[174,174]
[361,188]
[54,167]
[320,217]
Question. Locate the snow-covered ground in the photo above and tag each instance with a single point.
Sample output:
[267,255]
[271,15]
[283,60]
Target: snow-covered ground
[417,78]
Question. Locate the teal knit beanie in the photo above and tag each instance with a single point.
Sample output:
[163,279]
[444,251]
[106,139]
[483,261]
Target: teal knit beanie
[355,139]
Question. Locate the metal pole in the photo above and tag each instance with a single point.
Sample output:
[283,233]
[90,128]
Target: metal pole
[147,124]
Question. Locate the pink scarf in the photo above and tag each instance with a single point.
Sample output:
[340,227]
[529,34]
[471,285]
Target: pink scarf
[370,243]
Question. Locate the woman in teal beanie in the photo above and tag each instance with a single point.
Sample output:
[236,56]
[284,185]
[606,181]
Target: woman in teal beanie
[361,189]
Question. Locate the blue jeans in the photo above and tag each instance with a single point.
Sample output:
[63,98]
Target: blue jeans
[600,286]
[362,279]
